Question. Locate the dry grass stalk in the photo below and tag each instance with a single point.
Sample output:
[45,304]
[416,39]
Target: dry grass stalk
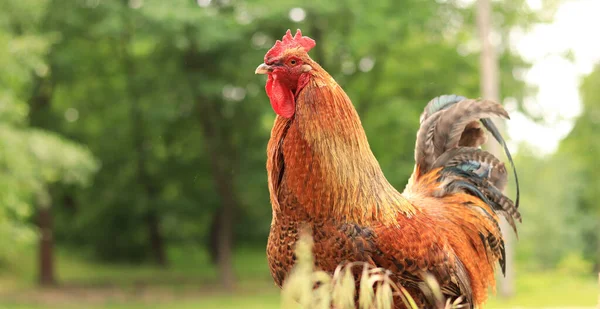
[307,287]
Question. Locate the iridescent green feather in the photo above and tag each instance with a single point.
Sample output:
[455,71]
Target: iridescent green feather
[440,103]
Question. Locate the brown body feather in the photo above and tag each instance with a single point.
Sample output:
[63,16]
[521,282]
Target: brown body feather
[322,174]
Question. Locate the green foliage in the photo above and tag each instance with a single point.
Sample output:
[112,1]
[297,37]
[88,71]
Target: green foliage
[547,200]
[573,264]
[132,81]
[165,98]
[561,196]
[581,151]
[103,110]
[31,159]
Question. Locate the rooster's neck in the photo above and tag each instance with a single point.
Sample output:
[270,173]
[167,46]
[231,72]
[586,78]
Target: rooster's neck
[329,167]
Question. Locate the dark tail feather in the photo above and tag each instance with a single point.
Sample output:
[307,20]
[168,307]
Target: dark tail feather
[464,177]
[440,103]
[490,126]
[447,123]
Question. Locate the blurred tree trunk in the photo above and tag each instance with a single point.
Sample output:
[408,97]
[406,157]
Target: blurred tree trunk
[220,145]
[157,242]
[46,244]
[221,172]
[39,116]
[490,90]
[213,236]
[144,179]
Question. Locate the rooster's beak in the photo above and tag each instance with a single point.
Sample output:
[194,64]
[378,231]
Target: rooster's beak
[263,69]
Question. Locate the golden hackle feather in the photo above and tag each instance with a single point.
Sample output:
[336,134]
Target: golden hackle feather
[329,166]
[275,159]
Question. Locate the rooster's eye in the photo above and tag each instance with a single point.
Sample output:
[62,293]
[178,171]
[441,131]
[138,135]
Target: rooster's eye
[293,62]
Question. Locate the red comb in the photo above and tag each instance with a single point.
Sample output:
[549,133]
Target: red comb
[290,42]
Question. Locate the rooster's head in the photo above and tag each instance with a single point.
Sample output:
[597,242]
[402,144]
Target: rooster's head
[288,65]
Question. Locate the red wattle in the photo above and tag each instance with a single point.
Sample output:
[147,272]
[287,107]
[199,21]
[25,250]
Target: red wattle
[281,97]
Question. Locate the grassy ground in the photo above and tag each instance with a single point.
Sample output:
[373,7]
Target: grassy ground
[190,283]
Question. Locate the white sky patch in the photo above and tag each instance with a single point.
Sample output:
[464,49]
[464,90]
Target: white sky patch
[575,28]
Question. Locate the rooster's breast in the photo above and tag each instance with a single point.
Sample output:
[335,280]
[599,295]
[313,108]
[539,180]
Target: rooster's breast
[334,242]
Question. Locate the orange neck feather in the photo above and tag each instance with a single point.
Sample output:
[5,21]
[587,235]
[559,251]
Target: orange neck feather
[329,166]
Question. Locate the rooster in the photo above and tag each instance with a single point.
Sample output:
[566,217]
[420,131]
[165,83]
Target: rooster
[322,173]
